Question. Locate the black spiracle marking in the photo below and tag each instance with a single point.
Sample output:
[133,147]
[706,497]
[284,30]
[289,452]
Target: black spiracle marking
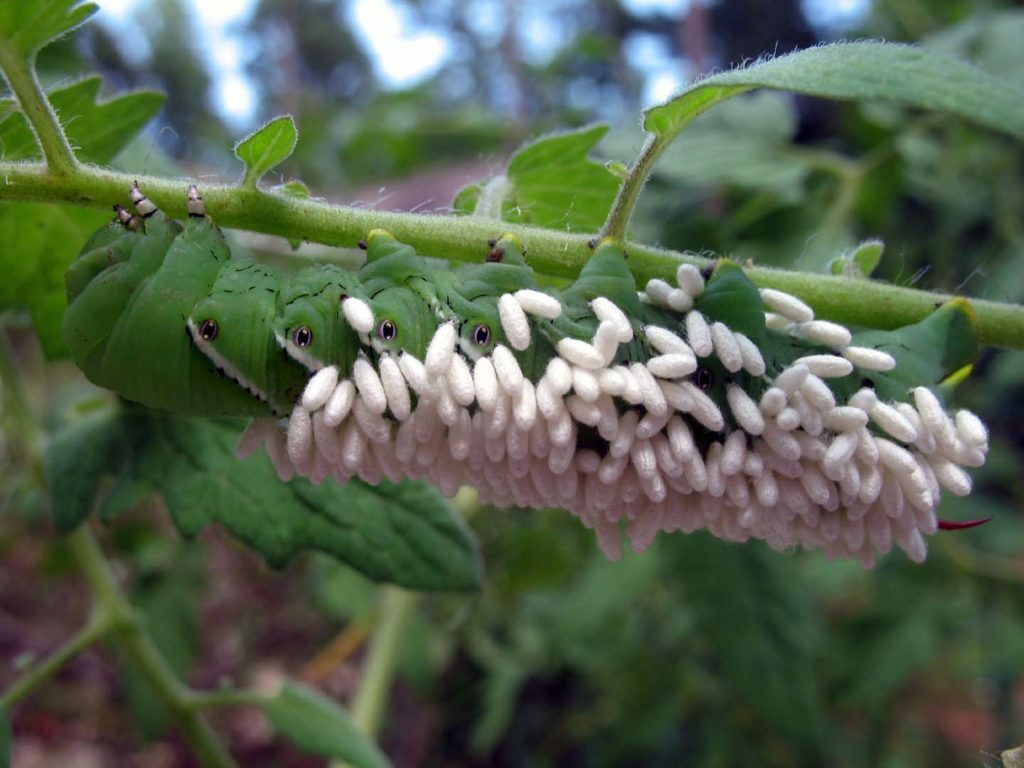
[705,378]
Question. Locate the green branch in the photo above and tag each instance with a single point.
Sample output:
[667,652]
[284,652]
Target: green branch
[856,302]
[99,624]
[617,223]
[21,78]
[139,646]
[396,607]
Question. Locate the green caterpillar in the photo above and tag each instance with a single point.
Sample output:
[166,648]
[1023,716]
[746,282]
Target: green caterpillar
[704,404]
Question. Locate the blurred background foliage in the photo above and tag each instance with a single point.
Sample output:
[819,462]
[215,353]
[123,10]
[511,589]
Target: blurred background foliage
[694,653]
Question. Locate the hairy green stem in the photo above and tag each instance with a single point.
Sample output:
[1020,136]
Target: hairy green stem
[617,224]
[856,302]
[138,645]
[21,78]
[99,624]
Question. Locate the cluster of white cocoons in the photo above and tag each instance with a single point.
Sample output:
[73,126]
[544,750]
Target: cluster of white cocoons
[849,478]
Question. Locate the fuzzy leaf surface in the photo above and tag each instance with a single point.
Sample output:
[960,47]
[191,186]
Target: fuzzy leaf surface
[28,25]
[96,129]
[550,182]
[866,70]
[267,146]
[406,533]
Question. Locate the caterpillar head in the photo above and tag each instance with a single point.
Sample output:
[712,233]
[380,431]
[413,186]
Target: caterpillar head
[309,326]
[403,321]
[232,325]
[479,325]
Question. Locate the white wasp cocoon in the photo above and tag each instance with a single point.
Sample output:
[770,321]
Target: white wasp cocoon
[773,401]
[869,359]
[339,403]
[320,387]
[971,429]
[777,322]
[826,366]
[658,291]
[933,416]
[514,322]
[787,305]
[606,341]
[300,436]
[726,347]
[369,385]
[689,278]
[679,300]
[825,332]
[753,362]
[558,375]
[893,422]
[358,314]
[844,418]
[460,381]
[580,353]
[665,341]
[674,365]
[606,311]
[440,350]
[416,375]
[698,333]
[791,379]
[538,303]
[507,367]
[745,410]
[485,383]
[395,389]
[585,384]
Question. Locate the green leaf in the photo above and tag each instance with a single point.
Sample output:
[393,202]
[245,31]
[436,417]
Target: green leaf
[294,189]
[40,242]
[28,25]
[747,142]
[757,620]
[550,183]
[75,462]
[466,199]
[266,147]
[97,130]
[316,724]
[554,184]
[406,534]
[861,71]
[861,261]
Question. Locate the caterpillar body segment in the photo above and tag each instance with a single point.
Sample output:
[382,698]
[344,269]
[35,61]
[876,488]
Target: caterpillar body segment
[310,324]
[702,403]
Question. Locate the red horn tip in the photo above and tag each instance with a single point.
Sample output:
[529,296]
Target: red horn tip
[955,525]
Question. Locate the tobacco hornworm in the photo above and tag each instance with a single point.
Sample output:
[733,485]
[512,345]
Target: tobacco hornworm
[700,404]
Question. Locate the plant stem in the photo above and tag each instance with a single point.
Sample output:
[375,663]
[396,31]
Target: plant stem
[857,302]
[139,646]
[21,78]
[99,624]
[395,611]
[229,698]
[617,224]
